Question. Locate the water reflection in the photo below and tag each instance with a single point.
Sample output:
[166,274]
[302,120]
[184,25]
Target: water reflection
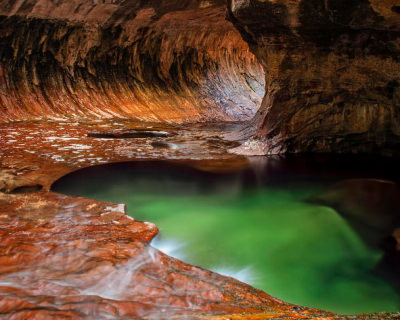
[256,225]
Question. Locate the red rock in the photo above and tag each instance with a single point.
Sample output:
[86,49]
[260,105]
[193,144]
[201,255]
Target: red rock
[75,258]
[80,258]
[167,62]
[164,61]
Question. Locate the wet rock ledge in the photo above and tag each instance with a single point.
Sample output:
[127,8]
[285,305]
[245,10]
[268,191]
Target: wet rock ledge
[75,258]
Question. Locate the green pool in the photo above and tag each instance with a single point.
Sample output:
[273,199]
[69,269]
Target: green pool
[264,232]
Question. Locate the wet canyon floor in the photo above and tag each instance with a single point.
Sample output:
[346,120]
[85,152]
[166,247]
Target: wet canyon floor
[295,227]
[298,228]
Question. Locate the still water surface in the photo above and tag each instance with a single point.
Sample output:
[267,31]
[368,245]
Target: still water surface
[258,225]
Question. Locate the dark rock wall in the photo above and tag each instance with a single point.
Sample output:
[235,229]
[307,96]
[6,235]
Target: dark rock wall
[175,61]
[332,72]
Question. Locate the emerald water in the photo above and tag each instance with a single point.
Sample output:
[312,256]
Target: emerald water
[259,227]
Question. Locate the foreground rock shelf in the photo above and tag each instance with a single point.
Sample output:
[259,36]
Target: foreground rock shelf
[66,257]
[75,258]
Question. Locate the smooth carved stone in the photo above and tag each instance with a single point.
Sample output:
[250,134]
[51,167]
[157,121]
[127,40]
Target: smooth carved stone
[76,258]
[332,75]
[175,61]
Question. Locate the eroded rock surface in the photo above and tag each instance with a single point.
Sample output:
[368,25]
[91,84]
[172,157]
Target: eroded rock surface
[332,74]
[332,85]
[74,258]
[64,257]
[176,61]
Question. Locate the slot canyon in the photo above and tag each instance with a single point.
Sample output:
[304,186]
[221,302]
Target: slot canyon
[259,138]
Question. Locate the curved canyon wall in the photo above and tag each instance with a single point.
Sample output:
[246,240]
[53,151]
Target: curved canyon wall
[175,61]
[332,70]
[332,73]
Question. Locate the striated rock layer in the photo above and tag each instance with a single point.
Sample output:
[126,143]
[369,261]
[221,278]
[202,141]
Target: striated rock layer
[332,73]
[175,61]
[331,82]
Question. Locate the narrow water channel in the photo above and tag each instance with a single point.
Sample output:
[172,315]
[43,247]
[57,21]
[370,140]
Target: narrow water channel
[263,225]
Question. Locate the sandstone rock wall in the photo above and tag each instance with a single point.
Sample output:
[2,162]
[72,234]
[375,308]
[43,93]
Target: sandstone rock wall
[175,61]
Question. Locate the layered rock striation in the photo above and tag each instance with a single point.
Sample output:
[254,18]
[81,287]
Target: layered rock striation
[175,61]
[331,67]
[332,84]
[332,73]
